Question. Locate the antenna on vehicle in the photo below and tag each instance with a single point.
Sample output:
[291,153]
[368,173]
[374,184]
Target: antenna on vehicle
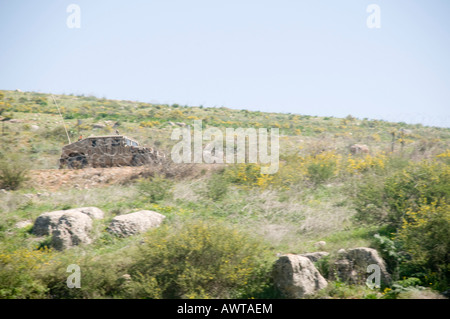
[67,133]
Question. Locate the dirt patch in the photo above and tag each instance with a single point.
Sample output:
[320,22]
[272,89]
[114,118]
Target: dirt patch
[87,178]
[54,179]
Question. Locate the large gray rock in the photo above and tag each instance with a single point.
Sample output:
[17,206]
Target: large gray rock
[73,229]
[359,149]
[134,223]
[352,265]
[296,277]
[315,256]
[47,222]
[93,212]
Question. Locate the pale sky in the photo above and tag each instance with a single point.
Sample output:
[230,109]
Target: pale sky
[314,57]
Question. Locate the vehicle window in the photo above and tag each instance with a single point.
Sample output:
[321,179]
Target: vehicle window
[94,143]
[115,142]
[128,142]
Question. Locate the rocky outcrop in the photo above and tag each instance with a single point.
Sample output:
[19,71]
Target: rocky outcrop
[352,265]
[134,223]
[295,276]
[47,222]
[67,227]
[359,149]
[315,256]
[93,212]
[73,229]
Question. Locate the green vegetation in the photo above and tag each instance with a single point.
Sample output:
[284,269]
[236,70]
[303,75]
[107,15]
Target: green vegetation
[199,260]
[155,189]
[225,223]
[13,172]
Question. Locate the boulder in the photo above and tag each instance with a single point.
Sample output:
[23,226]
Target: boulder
[134,223]
[320,244]
[72,229]
[23,224]
[359,148]
[93,212]
[47,222]
[351,265]
[315,256]
[296,277]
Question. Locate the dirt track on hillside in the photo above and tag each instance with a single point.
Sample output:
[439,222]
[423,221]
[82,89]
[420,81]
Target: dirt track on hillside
[55,179]
[88,178]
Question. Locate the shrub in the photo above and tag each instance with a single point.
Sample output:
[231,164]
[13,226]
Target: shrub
[409,289]
[155,188]
[445,156]
[216,187]
[358,165]
[243,174]
[248,175]
[57,134]
[368,200]
[391,251]
[425,235]
[199,260]
[321,167]
[425,182]
[19,273]
[386,201]
[13,172]
[102,276]
[342,290]
[319,172]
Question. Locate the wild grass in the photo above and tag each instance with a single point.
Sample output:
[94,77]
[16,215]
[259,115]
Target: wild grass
[320,193]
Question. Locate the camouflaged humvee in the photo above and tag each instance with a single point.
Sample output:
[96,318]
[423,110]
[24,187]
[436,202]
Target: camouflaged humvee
[107,151]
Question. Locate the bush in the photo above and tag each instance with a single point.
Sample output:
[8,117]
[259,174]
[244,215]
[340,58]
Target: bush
[320,167]
[243,174]
[385,201]
[363,164]
[19,273]
[369,200]
[409,289]
[391,251]
[321,172]
[155,189]
[426,182]
[57,134]
[216,187]
[425,235]
[13,172]
[413,204]
[199,260]
[101,276]
[247,175]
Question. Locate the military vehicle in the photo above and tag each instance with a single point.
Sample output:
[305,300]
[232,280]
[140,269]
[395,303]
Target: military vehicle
[107,151]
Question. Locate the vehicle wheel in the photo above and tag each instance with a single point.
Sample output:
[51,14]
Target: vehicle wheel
[77,162]
[136,161]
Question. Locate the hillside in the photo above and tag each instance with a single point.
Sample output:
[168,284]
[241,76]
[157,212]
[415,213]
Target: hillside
[394,198]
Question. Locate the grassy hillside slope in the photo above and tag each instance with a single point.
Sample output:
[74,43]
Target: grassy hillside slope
[230,219]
